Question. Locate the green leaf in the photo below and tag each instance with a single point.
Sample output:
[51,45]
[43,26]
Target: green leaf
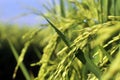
[106,53]
[21,57]
[64,38]
[62,8]
[92,67]
[90,64]
[22,66]
[80,55]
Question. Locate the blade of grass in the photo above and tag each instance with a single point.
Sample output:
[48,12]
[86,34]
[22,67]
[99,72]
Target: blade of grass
[22,66]
[101,10]
[80,55]
[113,69]
[21,57]
[90,66]
[37,53]
[64,38]
[62,8]
[105,16]
[109,8]
[54,5]
[47,8]
[25,48]
[114,3]
[106,53]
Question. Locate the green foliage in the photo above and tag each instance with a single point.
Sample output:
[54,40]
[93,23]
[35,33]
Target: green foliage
[91,44]
[91,31]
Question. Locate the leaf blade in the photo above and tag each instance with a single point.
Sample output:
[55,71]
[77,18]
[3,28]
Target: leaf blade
[62,36]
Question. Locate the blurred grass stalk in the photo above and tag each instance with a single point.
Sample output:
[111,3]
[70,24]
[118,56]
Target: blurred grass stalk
[108,8]
[22,66]
[113,69]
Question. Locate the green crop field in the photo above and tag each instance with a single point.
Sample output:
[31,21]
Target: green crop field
[80,41]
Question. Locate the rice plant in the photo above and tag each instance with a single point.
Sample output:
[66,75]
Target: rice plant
[81,42]
[91,42]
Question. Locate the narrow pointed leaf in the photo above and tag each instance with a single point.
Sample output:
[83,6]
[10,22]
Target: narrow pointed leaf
[106,53]
[21,57]
[91,66]
[80,55]
[64,38]
[22,66]
[62,8]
